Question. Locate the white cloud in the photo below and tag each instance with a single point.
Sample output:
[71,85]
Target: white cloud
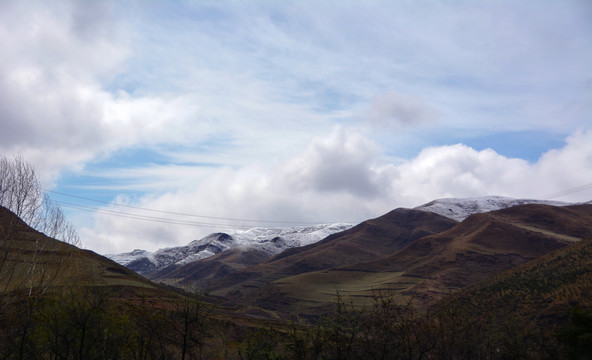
[55,107]
[340,163]
[344,178]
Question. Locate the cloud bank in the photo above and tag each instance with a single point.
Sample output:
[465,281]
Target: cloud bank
[344,178]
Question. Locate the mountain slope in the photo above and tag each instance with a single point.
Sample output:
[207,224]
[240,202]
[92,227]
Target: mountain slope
[541,289]
[431,267]
[522,311]
[30,260]
[424,270]
[209,270]
[370,240]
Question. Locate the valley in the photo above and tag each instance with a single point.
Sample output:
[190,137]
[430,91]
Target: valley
[415,255]
[416,263]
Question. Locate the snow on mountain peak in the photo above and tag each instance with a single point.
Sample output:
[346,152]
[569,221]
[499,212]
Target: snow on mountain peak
[294,236]
[275,240]
[460,208]
[269,240]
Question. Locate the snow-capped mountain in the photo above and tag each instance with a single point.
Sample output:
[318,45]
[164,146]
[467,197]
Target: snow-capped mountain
[269,240]
[460,209]
[275,240]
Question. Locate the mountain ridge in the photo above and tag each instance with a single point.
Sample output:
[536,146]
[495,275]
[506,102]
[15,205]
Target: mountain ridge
[461,208]
[262,243]
[269,241]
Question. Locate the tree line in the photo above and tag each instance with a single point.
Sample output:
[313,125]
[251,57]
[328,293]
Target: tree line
[91,323]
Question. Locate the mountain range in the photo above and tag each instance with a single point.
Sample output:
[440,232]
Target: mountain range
[271,241]
[407,253]
[264,241]
[422,254]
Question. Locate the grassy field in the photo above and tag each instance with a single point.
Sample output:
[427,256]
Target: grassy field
[317,290]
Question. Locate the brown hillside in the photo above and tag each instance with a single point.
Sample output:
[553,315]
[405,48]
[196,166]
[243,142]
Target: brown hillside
[521,311]
[484,245]
[367,241]
[208,270]
[31,260]
[433,266]
[541,290]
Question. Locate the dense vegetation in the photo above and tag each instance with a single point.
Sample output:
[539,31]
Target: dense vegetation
[88,323]
[534,303]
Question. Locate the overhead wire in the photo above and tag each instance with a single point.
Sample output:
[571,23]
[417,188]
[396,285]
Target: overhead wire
[161,219]
[112,212]
[568,191]
[146,217]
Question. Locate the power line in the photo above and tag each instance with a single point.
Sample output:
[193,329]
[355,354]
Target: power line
[146,217]
[171,212]
[568,191]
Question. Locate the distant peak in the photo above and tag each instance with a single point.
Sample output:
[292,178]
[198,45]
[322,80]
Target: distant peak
[223,237]
[268,240]
[460,208]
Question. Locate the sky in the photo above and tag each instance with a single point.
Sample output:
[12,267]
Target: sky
[155,123]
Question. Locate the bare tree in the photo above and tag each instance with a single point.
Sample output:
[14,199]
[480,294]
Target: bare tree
[192,317]
[20,189]
[21,193]
[52,222]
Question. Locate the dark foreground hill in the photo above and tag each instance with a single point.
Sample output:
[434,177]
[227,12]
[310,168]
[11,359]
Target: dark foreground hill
[541,290]
[31,260]
[541,309]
